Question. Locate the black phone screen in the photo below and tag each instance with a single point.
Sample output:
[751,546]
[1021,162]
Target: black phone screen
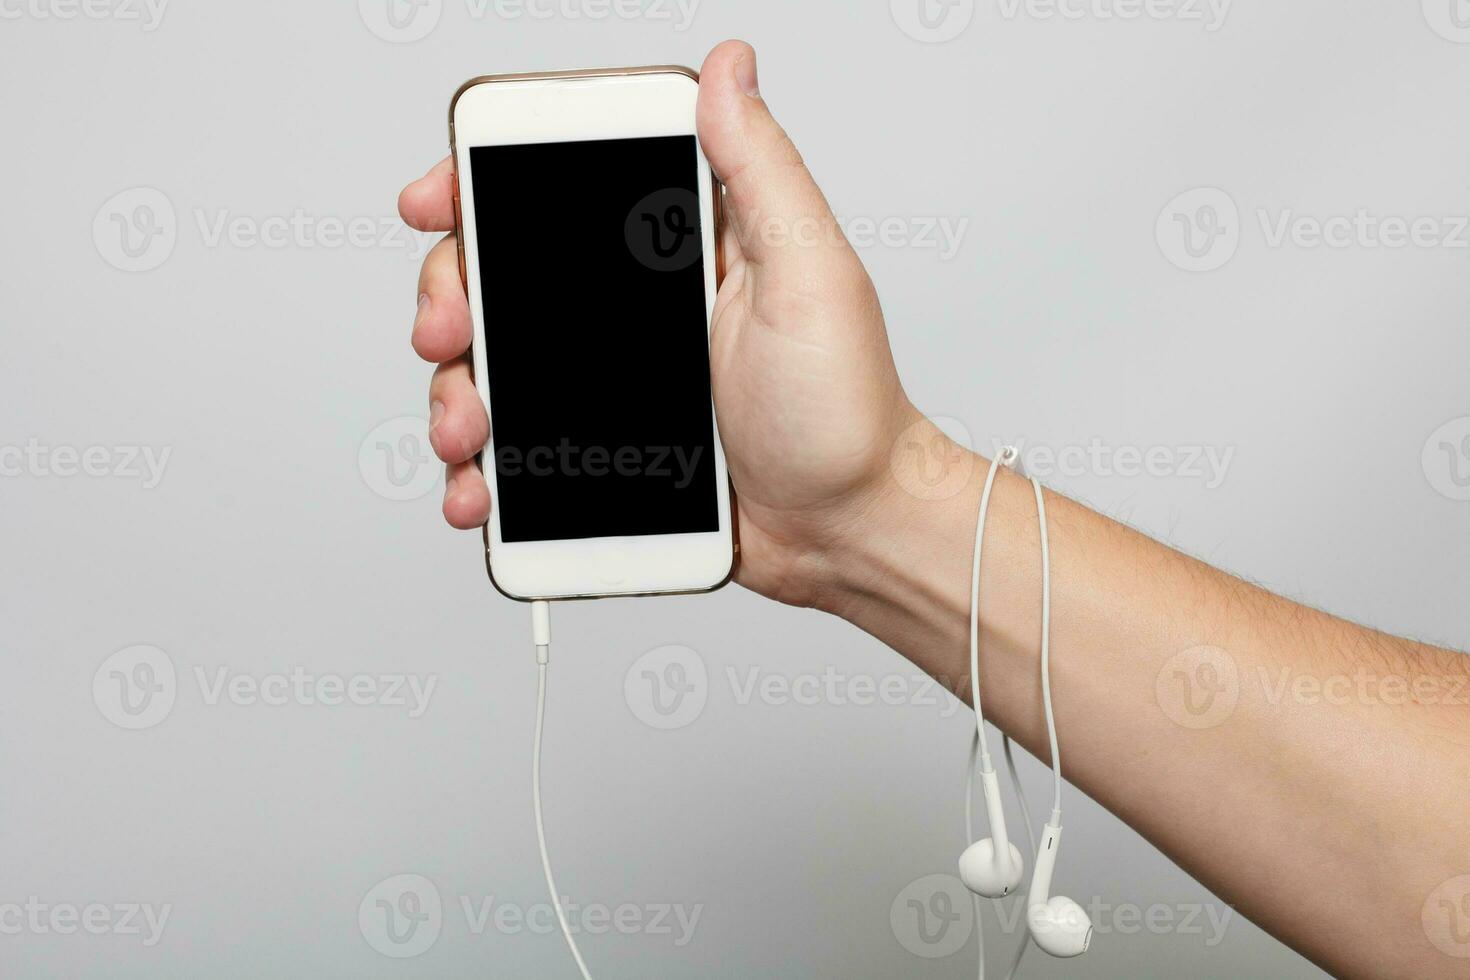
[592,277]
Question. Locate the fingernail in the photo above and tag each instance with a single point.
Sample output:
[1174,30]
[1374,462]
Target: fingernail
[745,76]
[450,488]
[423,308]
[436,413]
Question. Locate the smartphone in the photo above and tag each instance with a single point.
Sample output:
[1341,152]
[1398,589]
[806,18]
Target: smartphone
[587,219]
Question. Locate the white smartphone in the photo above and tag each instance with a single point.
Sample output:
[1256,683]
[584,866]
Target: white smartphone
[587,219]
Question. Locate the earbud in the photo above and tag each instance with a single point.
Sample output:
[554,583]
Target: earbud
[987,877]
[1057,923]
[992,867]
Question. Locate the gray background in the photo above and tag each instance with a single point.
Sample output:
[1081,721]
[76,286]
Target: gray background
[264,548]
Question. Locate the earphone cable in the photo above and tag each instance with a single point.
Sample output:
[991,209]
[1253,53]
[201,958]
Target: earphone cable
[1005,742]
[541,630]
[1004,457]
[969,836]
[1051,718]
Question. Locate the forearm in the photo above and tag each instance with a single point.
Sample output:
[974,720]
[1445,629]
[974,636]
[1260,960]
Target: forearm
[1299,780]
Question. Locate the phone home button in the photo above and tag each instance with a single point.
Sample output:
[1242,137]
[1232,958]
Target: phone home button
[609,564]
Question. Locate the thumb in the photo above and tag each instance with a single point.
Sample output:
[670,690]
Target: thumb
[771,197]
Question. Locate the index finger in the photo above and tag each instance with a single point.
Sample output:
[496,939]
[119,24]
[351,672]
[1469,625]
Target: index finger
[428,203]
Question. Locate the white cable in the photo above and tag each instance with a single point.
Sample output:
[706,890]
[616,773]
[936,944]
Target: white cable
[1005,741]
[1051,718]
[541,629]
[969,836]
[1051,725]
[1020,467]
[1005,457]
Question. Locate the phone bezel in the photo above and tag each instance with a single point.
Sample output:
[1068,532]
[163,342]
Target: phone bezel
[589,104]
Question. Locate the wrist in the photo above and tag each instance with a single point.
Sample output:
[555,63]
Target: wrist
[901,568]
[903,537]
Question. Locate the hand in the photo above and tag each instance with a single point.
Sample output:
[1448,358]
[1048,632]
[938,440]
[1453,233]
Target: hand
[807,399]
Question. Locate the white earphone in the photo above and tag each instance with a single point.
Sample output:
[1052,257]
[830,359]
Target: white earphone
[991,867]
[1057,923]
